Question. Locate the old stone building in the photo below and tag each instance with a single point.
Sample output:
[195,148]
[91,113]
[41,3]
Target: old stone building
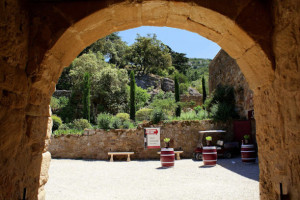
[40,37]
[223,70]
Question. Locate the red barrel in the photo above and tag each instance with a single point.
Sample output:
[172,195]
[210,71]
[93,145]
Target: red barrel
[248,153]
[209,155]
[167,157]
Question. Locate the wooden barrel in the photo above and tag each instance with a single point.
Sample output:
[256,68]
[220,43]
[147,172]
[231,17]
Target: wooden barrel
[167,157]
[209,155]
[248,153]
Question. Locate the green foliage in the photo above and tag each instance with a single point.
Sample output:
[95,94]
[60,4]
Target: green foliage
[141,97]
[115,123]
[132,96]
[177,96]
[208,138]
[202,114]
[81,124]
[203,89]
[179,61]
[148,55]
[56,122]
[128,125]
[164,95]
[87,97]
[246,137]
[143,114]
[181,78]
[64,127]
[57,104]
[165,105]
[157,116]
[221,112]
[197,109]
[67,132]
[183,88]
[123,116]
[103,120]
[112,90]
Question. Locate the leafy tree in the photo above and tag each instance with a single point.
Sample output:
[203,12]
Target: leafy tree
[132,96]
[204,89]
[148,54]
[112,47]
[177,96]
[179,61]
[87,97]
[111,92]
[141,97]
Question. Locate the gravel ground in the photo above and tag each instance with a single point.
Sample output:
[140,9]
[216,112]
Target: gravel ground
[136,180]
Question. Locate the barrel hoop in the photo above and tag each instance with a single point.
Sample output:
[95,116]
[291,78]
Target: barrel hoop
[167,162]
[209,153]
[247,146]
[167,154]
[247,151]
[209,160]
[209,147]
[248,158]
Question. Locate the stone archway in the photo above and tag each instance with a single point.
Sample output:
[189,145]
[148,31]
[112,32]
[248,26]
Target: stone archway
[42,37]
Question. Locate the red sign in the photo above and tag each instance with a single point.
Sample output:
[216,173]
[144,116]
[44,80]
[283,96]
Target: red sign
[152,138]
[152,131]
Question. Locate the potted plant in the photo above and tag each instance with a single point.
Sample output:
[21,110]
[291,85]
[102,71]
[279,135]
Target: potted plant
[167,155]
[167,142]
[246,139]
[208,141]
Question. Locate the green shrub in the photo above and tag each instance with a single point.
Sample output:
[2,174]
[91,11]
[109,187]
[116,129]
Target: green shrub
[191,115]
[68,132]
[64,127]
[197,109]
[56,122]
[166,105]
[202,114]
[115,123]
[128,125]
[221,112]
[183,88]
[123,116]
[157,116]
[132,96]
[103,120]
[81,124]
[143,114]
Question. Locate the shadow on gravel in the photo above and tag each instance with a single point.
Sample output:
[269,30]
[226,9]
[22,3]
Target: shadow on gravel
[236,165]
[205,166]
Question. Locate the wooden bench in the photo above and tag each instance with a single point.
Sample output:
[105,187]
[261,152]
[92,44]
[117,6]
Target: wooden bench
[177,154]
[119,153]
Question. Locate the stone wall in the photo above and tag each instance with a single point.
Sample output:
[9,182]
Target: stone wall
[95,144]
[223,70]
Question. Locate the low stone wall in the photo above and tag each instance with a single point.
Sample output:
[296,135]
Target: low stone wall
[94,144]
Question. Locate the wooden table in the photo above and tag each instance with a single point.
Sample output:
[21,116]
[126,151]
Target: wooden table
[120,153]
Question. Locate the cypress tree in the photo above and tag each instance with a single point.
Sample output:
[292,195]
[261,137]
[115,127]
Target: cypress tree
[132,96]
[177,96]
[203,89]
[87,97]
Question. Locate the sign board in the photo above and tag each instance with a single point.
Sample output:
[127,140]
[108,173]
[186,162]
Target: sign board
[152,138]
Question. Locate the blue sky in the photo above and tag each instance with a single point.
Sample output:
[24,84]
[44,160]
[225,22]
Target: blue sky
[192,44]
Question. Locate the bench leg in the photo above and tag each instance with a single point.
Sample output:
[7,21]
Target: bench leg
[112,158]
[177,156]
[128,158]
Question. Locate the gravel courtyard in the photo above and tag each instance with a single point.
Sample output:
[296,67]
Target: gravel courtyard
[136,180]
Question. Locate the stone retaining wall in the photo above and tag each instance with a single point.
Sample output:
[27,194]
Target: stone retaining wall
[94,144]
